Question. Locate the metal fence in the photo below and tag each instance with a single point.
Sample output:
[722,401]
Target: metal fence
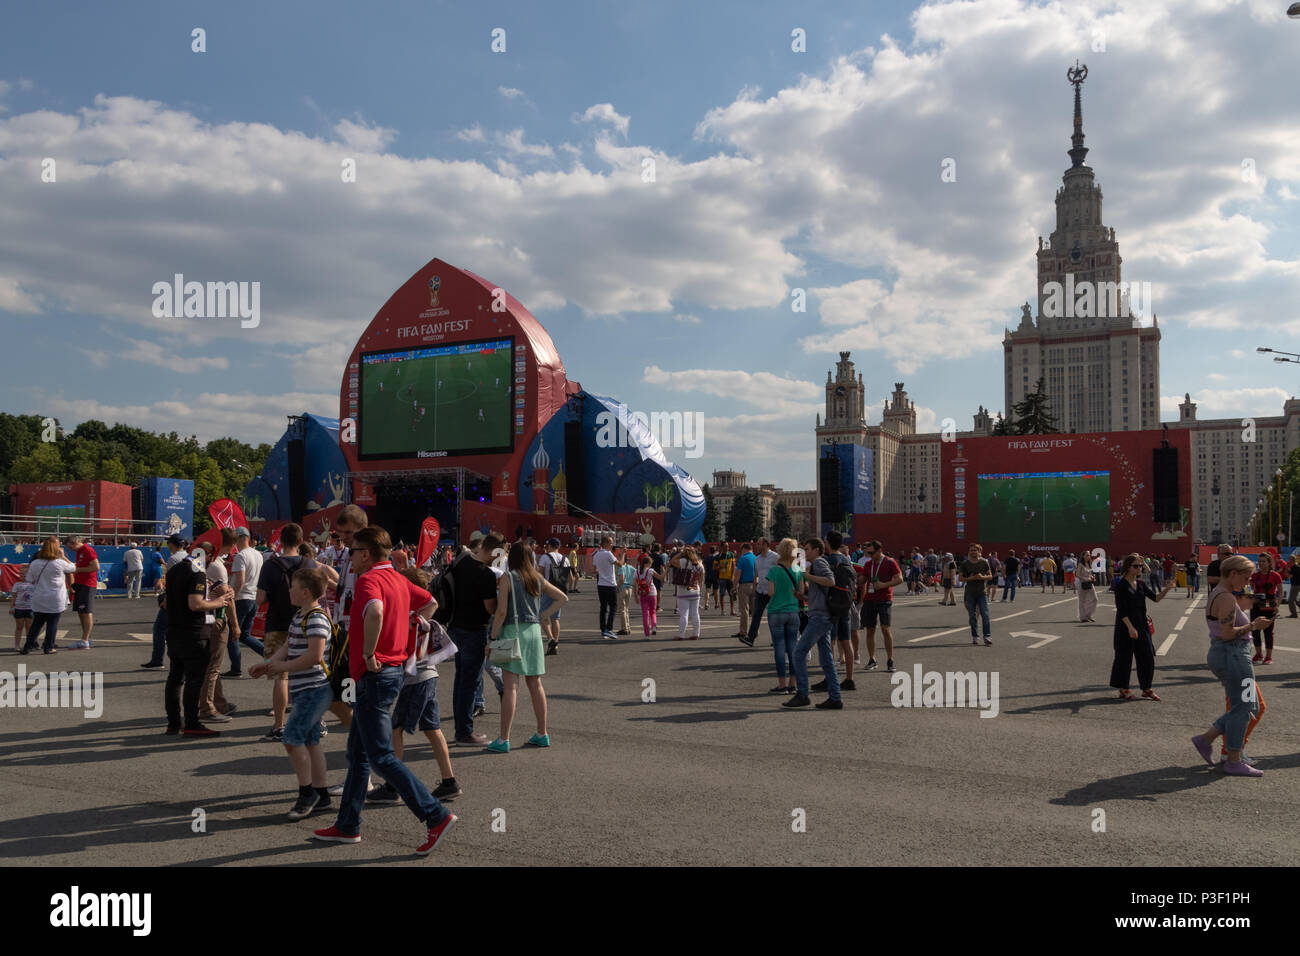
[33,529]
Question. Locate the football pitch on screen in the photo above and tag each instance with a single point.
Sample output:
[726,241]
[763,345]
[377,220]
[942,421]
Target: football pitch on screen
[442,403]
[1045,509]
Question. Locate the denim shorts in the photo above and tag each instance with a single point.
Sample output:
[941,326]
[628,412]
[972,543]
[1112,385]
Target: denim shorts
[542,609]
[302,729]
[417,707]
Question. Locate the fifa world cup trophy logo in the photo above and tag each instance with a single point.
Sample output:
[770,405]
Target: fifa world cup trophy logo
[434,285]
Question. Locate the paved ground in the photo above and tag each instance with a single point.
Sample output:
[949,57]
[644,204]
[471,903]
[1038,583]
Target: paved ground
[713,771]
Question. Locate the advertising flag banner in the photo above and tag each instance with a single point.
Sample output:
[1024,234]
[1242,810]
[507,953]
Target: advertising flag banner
[428,540]
[227,514]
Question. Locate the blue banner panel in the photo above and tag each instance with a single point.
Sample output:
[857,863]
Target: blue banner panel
[169,500]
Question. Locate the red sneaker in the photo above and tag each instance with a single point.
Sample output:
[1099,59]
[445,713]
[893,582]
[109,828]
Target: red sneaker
[1257,658]
[332,835]
[1268,660]
[436,834]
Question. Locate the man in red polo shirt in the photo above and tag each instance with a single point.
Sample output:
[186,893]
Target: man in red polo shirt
[380,643]
[878,575]
[84,583]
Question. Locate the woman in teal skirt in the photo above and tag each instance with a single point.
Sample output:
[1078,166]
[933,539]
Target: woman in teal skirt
[519,594]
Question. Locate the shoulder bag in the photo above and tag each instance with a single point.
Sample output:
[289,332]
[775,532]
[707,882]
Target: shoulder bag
[504,650]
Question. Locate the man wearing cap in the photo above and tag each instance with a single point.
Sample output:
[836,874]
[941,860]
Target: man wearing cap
[245,569]
[554,567]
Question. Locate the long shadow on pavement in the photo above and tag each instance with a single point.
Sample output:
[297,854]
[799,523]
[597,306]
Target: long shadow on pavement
[1148,785]
[53,833]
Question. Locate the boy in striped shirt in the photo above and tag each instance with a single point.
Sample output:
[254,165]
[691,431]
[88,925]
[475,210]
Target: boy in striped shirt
[303,657]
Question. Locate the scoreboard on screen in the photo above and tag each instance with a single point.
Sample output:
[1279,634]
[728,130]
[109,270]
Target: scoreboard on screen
[436,401]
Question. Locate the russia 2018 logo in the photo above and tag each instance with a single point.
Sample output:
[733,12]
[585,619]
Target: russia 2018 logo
[434,285]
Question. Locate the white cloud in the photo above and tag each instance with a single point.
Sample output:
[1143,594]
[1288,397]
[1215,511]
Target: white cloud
[208,415]
[514,142]
[363,137]
[14,299]
[686,319]
[1228,403]
[150,352]
[780,395]
[605,113]
[509,92]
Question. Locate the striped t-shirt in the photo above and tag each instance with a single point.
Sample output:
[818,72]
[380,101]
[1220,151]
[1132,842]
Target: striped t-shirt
[318,625]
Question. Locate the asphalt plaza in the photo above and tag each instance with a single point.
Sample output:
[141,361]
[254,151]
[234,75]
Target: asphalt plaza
[713,771]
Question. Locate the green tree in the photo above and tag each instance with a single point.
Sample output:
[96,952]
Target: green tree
[1002,426]
[745,522]
[42,463]
[712,527]
[19,436]
[782,524]
[1034,415]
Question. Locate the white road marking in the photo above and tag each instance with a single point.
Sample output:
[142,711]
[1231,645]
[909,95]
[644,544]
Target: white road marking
[1046,638]
[955,630]
[1007,617]
[1054,603]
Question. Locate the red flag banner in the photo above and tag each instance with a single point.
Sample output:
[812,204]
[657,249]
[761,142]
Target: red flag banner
[428,540]
[227,514]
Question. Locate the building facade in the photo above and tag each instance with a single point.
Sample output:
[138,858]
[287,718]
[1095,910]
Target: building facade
[1100,365]
[801,504]
[1234,468]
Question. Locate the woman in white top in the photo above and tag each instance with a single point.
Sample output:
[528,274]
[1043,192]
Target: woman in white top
[50,575]
[688,575]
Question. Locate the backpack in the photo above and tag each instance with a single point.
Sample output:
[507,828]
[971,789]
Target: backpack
[685,577]
[336,653]
[557,573]
[444,592]
[839,598]
[281,596]
[643,581]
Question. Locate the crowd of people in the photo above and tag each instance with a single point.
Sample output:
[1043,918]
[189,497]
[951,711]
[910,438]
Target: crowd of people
[357,630]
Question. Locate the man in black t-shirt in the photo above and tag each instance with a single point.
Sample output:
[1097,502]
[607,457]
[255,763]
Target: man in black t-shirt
[1293,575]
[1011,574]
[1192,568]
[188,609]
[1212,570]
[471,622]
[272,591]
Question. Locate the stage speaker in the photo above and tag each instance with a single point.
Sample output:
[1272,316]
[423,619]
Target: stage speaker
[296,449]
[575,473]
[1164,484]
[830,490]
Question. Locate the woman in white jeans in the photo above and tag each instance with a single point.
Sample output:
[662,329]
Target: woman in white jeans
[687,576]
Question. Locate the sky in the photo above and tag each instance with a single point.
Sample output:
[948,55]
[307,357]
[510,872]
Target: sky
[776,169]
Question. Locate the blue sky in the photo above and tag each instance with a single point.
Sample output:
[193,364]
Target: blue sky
[774,170]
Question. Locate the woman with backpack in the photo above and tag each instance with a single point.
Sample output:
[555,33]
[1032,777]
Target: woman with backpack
[49,574]
[688,575]
[648,595]
[518,616]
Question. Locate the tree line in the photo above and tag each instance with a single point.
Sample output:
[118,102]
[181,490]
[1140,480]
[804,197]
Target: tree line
[94,451]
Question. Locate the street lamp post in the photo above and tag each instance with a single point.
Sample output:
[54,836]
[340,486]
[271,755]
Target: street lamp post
[1277,522]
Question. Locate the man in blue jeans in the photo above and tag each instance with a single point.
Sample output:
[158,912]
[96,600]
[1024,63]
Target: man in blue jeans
[819,578]
[1011,573]
[470,622]
[975,572]
[245,569]
[379,626]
